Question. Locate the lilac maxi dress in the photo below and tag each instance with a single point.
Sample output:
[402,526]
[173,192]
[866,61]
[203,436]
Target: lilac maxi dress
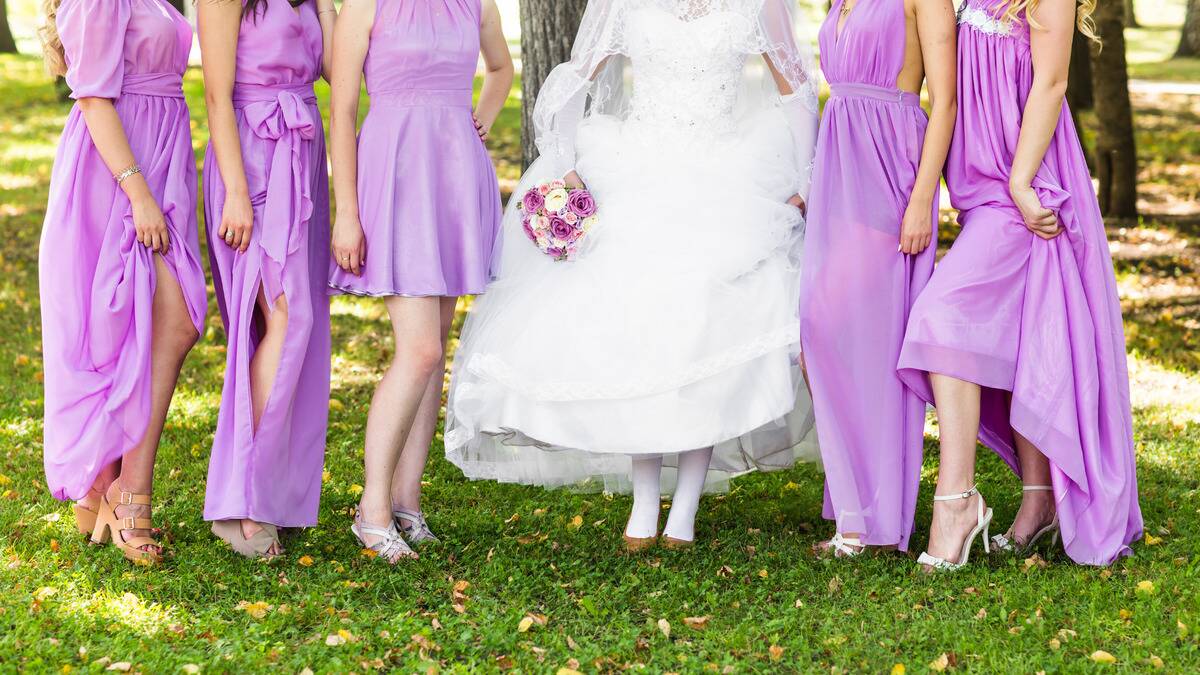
[272,474]
[1036,323]
[427,193]
[97,280]
[857,288]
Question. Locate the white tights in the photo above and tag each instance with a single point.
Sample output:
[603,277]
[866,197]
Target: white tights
[681,522]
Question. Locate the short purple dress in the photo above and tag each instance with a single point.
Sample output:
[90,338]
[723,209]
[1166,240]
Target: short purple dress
[857,287]
[1036,323]
[272,474]
[427,192]
[97,280]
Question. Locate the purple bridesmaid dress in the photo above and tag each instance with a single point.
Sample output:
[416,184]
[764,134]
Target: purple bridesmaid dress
[857,288]
[97,280]
[272,474]
[1036,323]
[427,192]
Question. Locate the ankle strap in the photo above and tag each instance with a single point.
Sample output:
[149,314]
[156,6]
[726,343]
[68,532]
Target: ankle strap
[1037,488]
[958,495]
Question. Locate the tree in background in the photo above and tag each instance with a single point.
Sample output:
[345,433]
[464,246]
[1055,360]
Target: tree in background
[1189,37]
[1116,152]
[7,44]
[1130,16]
[548,30]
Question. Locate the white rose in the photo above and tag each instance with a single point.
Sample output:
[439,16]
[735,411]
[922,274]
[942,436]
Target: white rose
[589,223]
[556,200]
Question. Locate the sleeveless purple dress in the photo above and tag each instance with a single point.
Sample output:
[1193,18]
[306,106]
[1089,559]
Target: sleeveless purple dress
[427,192]
[97,280]
[1036,323]
[857,288]
[272,474]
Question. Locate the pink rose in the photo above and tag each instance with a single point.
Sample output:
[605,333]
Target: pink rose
[533,201]
[582,203]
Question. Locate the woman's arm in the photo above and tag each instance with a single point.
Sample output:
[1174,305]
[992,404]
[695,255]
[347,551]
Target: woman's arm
[327,16]
[352,37]
[108,135]
[936,30]
[219,22]
[1050,47]
[498,78]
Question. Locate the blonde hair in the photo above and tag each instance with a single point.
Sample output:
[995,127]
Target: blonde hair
[1083,15]
[52,48]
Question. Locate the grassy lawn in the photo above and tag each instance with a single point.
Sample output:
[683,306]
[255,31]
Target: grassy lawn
[749,598]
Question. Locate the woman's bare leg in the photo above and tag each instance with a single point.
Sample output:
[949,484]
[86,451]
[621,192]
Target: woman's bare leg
[173,337]
[958,404]
[416,323]
[406,481]
[1037,507]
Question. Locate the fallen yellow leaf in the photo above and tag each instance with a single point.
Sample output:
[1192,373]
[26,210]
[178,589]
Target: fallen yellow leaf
[576,523]
[355,489]
[776,652]
[664,627]
[1101,656]
[696,622]
[525,625]
[1152,540]
[762,574]
[1055,644]
[335,404]
[1145,587]
[306,560]
[940,663]
[898,669]
[1156,662]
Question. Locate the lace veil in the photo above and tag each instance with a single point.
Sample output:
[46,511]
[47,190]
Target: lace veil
[597,79]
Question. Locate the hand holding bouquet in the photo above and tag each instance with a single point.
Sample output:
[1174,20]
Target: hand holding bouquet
[557,218]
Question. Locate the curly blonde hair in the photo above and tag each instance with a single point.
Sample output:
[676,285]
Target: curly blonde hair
[52,48]
[1083,15]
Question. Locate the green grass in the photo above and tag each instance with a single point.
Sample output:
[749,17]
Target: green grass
[528,551]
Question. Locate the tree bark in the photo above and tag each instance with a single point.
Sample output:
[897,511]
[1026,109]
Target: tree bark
[1116,152]
[1189,36]
[1079,79]
[1130,15]
[548,30]
[8,45]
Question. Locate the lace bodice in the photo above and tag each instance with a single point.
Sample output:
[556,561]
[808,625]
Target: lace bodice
[686,70]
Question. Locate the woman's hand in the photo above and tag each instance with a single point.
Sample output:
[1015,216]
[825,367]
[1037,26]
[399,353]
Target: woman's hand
[480,127]
[237,222]
[916,231]
[150,225]
[798,202]
[349,245]
[573,180]
[1040,220]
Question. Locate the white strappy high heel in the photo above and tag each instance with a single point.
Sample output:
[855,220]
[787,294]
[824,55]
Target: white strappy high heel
[417,531]
[984,518]
[843,547]
[1006,544]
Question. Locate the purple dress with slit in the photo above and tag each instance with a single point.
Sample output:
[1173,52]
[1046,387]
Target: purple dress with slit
[272,473]
[428,198]
[97,280]
[857,287]
[1036,323]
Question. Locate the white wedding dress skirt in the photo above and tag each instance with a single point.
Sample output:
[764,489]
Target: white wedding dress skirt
[676,329]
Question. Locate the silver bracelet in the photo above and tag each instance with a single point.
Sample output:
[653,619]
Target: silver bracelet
[120,177]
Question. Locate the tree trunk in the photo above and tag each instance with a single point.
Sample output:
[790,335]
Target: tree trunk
[8,45]
[548,30]
[1079,80]
[178,4]
[1116,153]
[1130,15]
[1189,37]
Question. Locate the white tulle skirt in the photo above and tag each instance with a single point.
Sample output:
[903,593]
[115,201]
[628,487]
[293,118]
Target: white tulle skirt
[677,329]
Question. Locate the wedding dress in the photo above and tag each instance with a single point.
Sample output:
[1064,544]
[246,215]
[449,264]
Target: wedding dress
[677,329]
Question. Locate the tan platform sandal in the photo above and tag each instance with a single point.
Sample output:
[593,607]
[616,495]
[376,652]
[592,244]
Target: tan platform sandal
[110,527]
[638,544]
[85,518]
[257,545]
[673,544]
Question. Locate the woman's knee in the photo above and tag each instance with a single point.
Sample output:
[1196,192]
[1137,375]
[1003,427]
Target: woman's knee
[425,356]
[178,334]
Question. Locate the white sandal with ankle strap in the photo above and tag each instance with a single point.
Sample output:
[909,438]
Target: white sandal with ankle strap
[843,547]
[417,531]
[983,519]
[1007,544]
[391,547]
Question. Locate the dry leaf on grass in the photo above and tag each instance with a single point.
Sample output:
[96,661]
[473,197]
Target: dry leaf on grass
[696,622]
[664,627]
[1101,656]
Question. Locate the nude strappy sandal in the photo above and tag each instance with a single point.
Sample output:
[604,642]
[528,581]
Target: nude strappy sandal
[1006,543]
[983,518]
[110,527]
[257,545]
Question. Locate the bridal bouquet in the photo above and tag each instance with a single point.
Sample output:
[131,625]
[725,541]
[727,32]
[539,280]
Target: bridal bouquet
[558,218]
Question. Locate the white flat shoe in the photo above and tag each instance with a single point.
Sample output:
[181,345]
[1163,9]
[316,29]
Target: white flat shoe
[983,519]
[1005,543]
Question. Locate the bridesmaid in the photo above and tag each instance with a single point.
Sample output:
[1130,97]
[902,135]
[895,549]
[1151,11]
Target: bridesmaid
[865,260]
[266,202]
[418,213]
[1020,328]
[122,290]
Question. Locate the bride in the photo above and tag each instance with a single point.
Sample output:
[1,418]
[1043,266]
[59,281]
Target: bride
[672,341]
